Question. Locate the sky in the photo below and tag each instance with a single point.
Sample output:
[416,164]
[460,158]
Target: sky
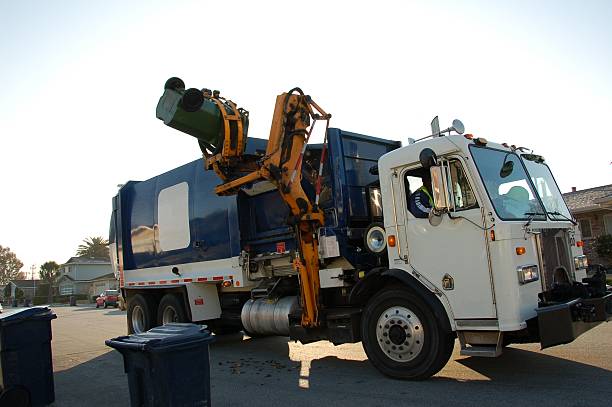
[81,79]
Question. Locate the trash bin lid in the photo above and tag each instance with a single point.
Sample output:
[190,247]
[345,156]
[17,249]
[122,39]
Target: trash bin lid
[161,337]
[22,314]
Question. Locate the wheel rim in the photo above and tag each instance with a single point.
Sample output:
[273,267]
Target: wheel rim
[169,315]
[399,333]
[138,319]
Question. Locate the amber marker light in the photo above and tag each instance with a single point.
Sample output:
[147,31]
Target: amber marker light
[520,250]
[492,235]
[227,283]
[391,240]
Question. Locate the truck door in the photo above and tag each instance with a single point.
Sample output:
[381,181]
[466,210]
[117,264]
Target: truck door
[456,249]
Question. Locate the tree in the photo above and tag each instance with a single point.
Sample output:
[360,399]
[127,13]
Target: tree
[9,265]
[49,272]
[603,245]
[94,247]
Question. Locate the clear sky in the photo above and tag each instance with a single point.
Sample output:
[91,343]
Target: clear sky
[81,79]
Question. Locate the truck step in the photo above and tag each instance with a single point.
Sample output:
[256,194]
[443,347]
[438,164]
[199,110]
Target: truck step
[487,351]
[487,344]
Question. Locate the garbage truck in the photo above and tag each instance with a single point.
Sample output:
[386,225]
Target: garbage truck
[279,236]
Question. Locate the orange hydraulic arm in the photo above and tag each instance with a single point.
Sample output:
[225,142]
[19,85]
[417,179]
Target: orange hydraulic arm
[294,117]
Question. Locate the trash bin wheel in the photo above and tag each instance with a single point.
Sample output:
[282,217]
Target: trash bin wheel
[17,396]
[171,309]
[140,314]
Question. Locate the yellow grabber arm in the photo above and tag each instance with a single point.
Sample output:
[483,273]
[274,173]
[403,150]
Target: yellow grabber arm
[222,141]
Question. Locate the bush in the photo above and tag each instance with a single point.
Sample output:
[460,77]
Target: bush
[40,300]
[603,246]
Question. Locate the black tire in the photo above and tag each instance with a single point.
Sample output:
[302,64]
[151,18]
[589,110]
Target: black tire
[171,304]
[17,396]
[145,310]
[415,335]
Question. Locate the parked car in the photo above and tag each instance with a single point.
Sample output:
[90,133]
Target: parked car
[108,298]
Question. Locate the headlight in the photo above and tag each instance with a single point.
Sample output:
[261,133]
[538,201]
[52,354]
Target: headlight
[581,262]
[527,274]
[376,239]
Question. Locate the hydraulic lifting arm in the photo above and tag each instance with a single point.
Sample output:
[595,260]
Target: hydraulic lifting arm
[221,129]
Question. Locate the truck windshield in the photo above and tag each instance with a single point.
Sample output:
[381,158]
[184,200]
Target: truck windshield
[546,187]
[507,184]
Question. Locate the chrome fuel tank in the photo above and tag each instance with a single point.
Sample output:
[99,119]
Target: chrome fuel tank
[268,317]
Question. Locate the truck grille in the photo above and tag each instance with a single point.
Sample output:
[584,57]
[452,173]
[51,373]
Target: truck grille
[554,250]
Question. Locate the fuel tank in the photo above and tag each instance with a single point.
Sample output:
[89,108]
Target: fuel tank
[268,317]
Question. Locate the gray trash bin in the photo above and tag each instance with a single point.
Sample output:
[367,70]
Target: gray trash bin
[26,371]
[167,366]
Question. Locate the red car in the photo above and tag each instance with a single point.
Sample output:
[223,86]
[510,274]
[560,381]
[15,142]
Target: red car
[108,297]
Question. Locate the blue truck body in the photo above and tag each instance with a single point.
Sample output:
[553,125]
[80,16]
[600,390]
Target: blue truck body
[222,226]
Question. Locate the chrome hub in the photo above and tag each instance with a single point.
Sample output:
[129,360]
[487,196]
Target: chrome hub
[138,319]
[399,334]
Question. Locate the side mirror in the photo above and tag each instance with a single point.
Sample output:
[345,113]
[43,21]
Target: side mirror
[438,189]
[439,195]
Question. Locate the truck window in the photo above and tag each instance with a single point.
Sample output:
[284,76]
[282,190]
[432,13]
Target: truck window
[463,196]
[414,180]
[173,217]
[310,173]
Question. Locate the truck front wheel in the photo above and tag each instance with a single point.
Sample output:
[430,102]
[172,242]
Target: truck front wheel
[402,337]
[140,315]
[171,309]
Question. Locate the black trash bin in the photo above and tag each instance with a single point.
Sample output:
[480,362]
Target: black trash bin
[167,366]
[25,357]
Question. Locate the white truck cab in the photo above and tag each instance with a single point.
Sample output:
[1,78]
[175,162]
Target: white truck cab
[498,236]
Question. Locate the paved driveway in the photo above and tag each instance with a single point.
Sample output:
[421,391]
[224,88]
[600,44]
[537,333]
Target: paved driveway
[273,372]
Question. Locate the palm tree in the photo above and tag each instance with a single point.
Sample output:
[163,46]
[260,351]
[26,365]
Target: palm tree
[49,273]
[94,247]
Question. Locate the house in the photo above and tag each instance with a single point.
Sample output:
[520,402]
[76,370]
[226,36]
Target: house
[592,208]
[85,276]
[28,287]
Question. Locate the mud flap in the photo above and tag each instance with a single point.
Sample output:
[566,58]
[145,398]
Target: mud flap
[562,323]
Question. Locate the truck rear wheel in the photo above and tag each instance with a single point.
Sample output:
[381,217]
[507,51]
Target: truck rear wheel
[402,337]
[140,315]
[171,309]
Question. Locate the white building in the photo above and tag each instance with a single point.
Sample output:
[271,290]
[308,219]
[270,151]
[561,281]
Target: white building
[86,275]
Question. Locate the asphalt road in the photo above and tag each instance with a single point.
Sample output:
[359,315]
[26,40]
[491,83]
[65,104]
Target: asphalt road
[274,372]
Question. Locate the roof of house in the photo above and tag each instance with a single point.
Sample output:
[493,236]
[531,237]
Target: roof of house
[26,283]
[109,276]
[86,260]
[589,199]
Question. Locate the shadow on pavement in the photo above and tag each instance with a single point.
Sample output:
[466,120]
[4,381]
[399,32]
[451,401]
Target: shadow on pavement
[250,372]
[514,365]
[99,381]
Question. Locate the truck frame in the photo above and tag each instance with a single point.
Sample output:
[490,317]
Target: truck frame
[318,242]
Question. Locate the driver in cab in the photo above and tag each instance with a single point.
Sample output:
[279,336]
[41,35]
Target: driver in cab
[420,201]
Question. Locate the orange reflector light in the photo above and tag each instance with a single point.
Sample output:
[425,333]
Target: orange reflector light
[520,250]
[492,235]
[227,283]
[468,136]
[391,240]
[579,243]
